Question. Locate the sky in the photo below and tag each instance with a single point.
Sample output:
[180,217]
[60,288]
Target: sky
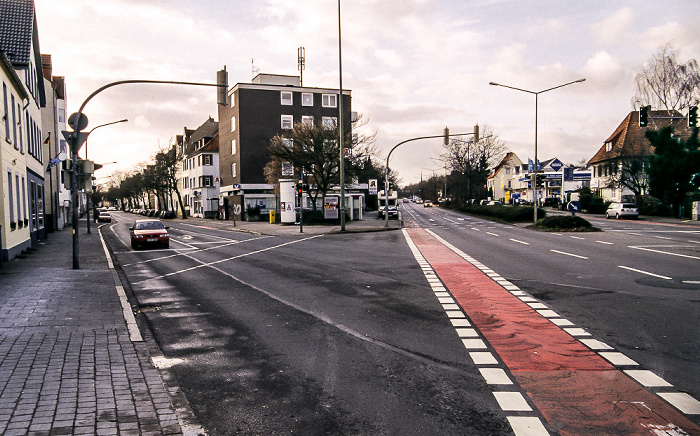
[414,66]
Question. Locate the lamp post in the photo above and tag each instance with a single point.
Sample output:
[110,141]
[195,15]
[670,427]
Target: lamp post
[89,194]
[537,93]
[341,133]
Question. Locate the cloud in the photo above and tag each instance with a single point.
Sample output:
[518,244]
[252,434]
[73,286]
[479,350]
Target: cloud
[615,28]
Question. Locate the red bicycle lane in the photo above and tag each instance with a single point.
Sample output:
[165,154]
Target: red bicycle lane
[575,389]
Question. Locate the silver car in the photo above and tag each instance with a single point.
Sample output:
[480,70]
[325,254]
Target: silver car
[622,210]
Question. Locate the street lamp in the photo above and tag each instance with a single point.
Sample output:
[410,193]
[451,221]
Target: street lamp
[537,93]
[89,194]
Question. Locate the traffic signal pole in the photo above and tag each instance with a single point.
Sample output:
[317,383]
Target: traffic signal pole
[78,122]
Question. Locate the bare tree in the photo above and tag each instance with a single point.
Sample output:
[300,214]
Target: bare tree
[667,84]
[630,172]
[471,161]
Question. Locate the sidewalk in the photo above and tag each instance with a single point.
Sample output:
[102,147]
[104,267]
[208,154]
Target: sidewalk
[68,363]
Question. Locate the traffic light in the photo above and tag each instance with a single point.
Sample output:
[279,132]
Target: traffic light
[529,180]
[539,181]
[476,133]
[447,136]
[222,86]
[644,115]
[300,188]
[693,117]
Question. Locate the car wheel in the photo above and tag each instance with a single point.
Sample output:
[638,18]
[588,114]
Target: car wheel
[607,216]
[617,216]
[166,245]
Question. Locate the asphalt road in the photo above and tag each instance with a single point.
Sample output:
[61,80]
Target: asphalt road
[342,334]
[635,285]
[329,335]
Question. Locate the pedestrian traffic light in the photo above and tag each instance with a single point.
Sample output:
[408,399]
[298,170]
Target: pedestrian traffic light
[644,115]
[539,181]
[693,117]
[299,188]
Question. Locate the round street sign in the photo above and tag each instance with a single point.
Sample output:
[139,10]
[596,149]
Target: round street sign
[574,206]
[78,121]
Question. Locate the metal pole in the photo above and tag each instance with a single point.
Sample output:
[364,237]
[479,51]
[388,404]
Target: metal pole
[341,133]
[535,164]
[74,199]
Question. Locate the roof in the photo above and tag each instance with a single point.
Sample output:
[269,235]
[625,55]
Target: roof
[212,145]
[206,131]
[503,163]
[10,72]
[17,25]
[629,138]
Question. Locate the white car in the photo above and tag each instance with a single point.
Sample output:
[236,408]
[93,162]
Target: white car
[622,210]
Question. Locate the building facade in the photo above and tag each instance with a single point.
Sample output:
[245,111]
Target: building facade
[198,174]
[256,112]
[625,154]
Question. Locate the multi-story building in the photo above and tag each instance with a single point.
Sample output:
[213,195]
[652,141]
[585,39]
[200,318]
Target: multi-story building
[14,227]
[628,149]
[53,122]
[256,112]
[506,179]
[19,40]
[198,175]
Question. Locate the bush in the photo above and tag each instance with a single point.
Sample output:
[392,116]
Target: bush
[505,213]
[564,222]
[649,205]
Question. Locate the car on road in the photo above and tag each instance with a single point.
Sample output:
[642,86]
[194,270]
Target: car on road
[104,217]
[147,232]
[427,203]
[622,210]
[494,203]
[393,211]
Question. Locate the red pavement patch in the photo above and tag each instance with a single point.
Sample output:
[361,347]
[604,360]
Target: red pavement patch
[576,390]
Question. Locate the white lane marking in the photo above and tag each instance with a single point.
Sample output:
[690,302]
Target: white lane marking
[520,242]
[527,426]
[694,242]
[605,242]
[495,376]
[644,272]
[595,344]
[568,254]
[635,234]
[682,401]
[665,252]
[661,237]
[577,237]
[691,282]
[483,358]
[512,402]
[474,228]
[647,378]
[491,233]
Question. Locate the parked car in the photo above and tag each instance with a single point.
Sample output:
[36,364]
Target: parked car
[146,232]
[104,217]
[393,211]
[622,210]
[494,203]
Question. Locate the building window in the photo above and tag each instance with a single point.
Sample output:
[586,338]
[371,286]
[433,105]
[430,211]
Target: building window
[233,100]
[329,100]
[14,122]
[206,181]
[233,124]
[286,98]
[233,146]
[608,146]
[9,191]
[207,158]
[307,120]
[307,99]
[507,170]
[233,170]
[329,122]
[287,122]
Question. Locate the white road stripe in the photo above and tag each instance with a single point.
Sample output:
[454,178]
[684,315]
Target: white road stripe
[491,233]
[520,242]
[665,252]
[644,272]
[605,242]
[568,254]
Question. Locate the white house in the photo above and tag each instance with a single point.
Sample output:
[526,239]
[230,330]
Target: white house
[198,176]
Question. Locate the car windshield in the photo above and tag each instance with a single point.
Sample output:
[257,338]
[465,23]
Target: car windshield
[148,225]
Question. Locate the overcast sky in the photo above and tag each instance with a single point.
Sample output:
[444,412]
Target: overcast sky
[414,66]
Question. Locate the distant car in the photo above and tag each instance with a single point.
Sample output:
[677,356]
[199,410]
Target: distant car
[419,201]
[146,232]
[622,210]
[427,203]
[405,200]
[104,217]
[393,211]
[494,203]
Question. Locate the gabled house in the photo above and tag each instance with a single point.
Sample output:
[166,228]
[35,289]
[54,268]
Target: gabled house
[625,154]
[506,179]
[19,40]
[198,175]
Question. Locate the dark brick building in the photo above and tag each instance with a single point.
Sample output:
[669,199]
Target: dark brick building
[255,113]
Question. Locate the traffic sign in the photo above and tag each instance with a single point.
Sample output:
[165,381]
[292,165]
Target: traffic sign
[74,142]
[556,164]
[574,206]
[78,121]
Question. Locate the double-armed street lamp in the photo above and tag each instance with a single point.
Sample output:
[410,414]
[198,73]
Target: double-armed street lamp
[536,93]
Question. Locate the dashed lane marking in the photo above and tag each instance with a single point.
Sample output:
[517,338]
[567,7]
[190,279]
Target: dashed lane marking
[687,256]
[568,254]
[520,242]
[644,272]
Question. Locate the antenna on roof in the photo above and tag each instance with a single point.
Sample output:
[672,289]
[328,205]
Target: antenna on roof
[301,55]
[255,71]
